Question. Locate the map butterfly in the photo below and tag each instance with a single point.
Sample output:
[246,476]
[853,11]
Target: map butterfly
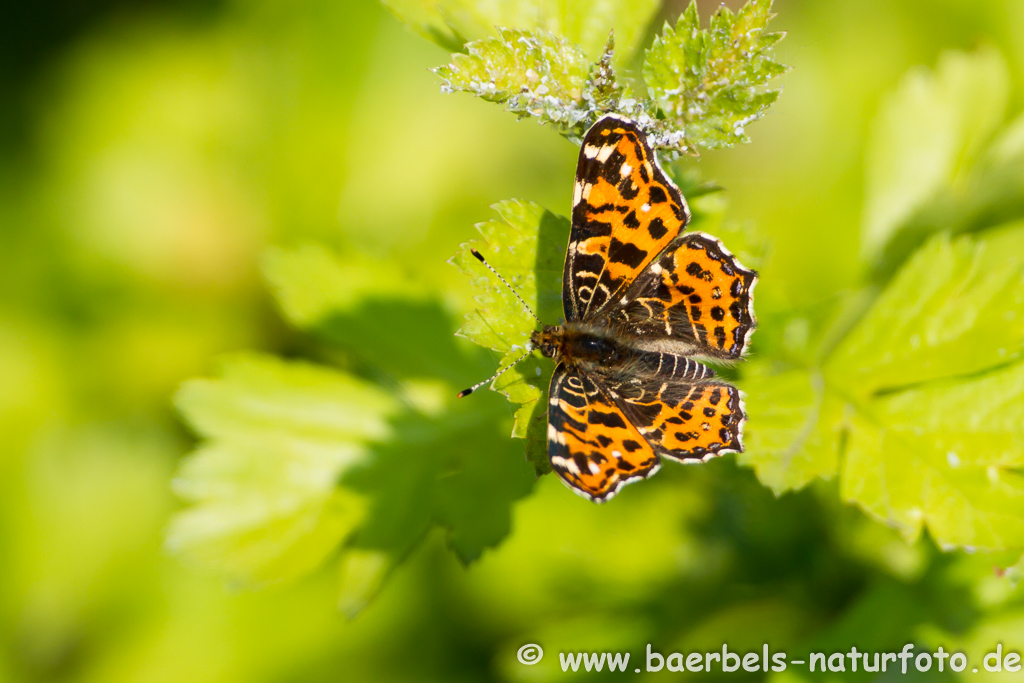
[644,302]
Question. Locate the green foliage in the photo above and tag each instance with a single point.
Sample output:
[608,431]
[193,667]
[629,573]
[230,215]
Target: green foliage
[709,84]
[148,161]
[956,308]
[535,73]
[300,461]
[911,408]
[265,504]
[900,390]
[704,86]
[525,245]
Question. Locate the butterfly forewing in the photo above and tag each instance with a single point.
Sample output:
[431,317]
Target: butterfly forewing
[592,446]
[625,212]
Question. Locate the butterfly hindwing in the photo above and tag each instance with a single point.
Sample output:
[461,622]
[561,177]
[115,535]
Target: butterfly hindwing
[625,212]
[696,294]
[592,446]
[686,420]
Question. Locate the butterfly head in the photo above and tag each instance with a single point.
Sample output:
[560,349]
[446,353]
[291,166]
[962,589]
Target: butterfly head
[548,341]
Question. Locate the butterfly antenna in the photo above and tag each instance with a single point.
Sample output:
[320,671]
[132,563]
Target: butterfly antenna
[529,349]
[480,257]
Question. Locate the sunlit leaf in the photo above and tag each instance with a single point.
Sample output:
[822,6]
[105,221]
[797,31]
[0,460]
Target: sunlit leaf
[991,192]
[527,246]
[945,457]
[443,462]
[367,307]
[792,435]
[921,438]
[709,84]
[532,73]
[265,504]
[957,307]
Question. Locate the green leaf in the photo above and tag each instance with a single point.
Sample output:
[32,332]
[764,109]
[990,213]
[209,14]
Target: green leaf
[709,84]
[265,505]
[946,457]
[792,436]
[919,406]
[450,23]
[956,308]
[439,454]
[534,73]
[362,574]
[458,470]
[928,133]
[267,398]
[311,284]
[526,244]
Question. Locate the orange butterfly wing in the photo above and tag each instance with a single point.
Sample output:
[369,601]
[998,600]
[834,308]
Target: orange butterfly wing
[625,212]
[592,446]
[684,420]
[698,294]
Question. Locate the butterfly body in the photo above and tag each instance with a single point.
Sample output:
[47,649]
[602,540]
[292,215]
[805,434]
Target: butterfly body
[613,354]
[643,301]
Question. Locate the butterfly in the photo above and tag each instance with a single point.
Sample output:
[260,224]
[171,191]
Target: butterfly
[641,299]
[644,302]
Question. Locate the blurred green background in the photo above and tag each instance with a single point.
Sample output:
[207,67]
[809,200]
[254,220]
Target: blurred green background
[149,153]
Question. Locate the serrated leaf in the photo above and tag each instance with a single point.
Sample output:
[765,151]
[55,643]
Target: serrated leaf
[946,457]
[534,73]
[925,438]
[527,246]
[926,135]
[956,308]
[450,23]
[709,84]
[264,397]
[265,505]
[438,452]
[525,385]
[459,471]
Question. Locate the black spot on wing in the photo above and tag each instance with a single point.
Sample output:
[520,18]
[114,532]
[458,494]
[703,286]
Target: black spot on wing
[628,189]
[627,253]
[720,336]
[657,228]
[658,195]
[597,417]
